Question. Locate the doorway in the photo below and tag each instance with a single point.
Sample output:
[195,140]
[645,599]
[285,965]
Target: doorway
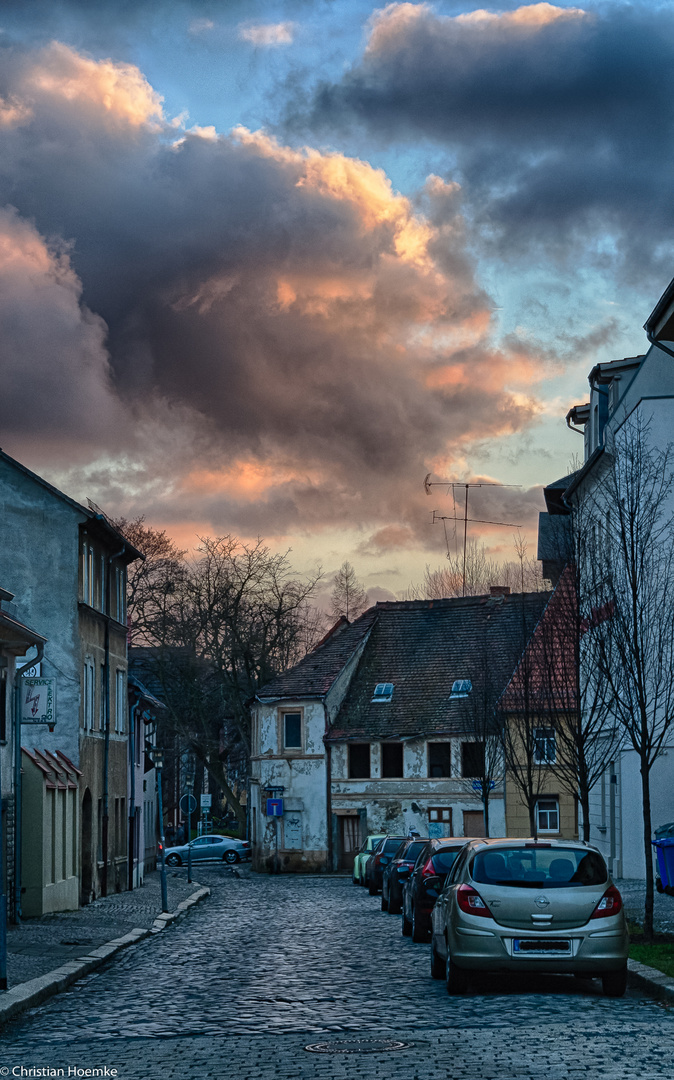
[473,823]
[349,835]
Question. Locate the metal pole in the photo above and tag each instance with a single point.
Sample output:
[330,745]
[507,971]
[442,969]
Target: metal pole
[465,533]
[189,784]
[164,891]
[17,779]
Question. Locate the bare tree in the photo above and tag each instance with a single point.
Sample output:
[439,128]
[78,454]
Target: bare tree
[481,728]
[348,596]
[633,557]
[481,573]
[152,583]
[216,628]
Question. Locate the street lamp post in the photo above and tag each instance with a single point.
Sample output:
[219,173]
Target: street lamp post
[158,758]
[189,785]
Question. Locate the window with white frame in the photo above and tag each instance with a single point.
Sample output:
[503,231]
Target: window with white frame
[88,694]
[88,574]
[461,688]
[292,730]
[120,606]
[547,815]
[104,600]
[545,746]
[120,701]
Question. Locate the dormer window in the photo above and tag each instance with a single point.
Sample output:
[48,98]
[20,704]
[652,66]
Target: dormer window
[461,688]
[383,691]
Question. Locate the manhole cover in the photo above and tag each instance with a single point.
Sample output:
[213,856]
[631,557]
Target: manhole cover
[357,1046]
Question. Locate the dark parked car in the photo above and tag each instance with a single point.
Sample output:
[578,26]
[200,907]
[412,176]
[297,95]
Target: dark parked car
[379,859]
[392,886]
[425,883]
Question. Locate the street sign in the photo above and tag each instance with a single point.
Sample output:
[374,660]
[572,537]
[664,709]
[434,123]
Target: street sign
[188,804]
[206,801]
[274,807]
[38,701]
[477,785]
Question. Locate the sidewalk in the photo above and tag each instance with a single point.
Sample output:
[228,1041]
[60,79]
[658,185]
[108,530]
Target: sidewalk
[39,946]
[633,892]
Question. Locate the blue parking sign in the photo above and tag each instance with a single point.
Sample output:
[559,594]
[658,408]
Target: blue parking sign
[274,807]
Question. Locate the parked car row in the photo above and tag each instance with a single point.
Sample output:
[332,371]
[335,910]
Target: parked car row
[502,905]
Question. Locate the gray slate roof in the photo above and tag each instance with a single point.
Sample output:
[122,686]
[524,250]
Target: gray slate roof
[316,672]
[422,647]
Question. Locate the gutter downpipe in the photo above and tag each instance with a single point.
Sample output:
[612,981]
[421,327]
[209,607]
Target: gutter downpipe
[106,752]
[17,786]
[658,344]
[328,782]
[132,789]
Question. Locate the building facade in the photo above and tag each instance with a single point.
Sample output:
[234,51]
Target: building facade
[381,728]
[68,564]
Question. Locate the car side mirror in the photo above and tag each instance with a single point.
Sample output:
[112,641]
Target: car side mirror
[433,882]
[404,872]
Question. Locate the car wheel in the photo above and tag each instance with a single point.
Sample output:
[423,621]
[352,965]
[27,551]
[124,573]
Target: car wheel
[394,907]
[372,889]
[354,881]
[173,860]
[419,933]
[437,963]
[455,978]
[230,856]
[406,928]
[384,903]
[614,983]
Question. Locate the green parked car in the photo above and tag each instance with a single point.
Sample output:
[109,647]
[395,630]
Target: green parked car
[362,857]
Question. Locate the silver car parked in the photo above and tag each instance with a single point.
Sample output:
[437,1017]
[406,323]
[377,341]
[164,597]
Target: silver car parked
[529,905]
[208,848]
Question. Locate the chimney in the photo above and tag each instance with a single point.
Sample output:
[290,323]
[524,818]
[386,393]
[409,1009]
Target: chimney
[499,590]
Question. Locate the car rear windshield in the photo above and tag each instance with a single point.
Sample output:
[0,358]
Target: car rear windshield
[412,852]
[537,867]
[443,861]
[392,844]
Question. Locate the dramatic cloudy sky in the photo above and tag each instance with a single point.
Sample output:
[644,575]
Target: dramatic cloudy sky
[264,265]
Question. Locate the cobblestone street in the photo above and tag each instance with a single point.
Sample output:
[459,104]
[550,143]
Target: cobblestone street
[266,966]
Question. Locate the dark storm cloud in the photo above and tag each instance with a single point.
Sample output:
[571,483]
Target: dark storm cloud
[560,120]
[273,338]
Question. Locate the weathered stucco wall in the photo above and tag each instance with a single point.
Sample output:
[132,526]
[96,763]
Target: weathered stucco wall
[299,840]
[39,563]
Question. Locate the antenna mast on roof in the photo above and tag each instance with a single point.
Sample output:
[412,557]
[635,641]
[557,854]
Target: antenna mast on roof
[428,484]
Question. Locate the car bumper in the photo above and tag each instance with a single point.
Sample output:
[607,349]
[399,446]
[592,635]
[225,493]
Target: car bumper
[590,951]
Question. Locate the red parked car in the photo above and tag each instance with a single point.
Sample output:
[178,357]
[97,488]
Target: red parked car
[434,863]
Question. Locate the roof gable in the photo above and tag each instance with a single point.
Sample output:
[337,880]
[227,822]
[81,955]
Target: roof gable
[423,648]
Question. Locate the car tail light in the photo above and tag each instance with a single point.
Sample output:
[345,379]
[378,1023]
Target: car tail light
[245,843]
[610,904]
[471,902]
[429,869]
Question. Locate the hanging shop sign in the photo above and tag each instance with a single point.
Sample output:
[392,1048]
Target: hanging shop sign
[38,701]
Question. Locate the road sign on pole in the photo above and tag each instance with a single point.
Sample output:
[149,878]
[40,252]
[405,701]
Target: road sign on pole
[206,801]
[188,804]
[274,807]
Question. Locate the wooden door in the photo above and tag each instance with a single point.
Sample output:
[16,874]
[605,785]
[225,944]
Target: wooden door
[348,836]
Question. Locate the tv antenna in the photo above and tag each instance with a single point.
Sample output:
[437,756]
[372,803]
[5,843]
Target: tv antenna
[428,484]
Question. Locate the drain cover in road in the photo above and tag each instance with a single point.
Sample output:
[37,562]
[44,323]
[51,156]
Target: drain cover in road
[357,1046]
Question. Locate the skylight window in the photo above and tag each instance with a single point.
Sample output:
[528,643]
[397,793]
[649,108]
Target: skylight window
[383,691]
[461,688]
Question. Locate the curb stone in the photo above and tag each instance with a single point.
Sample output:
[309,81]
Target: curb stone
[651,980]
[33,992]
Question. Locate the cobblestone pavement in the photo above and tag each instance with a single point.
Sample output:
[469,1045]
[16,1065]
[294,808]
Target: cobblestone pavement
[634,893]
[266,966]
[37,946]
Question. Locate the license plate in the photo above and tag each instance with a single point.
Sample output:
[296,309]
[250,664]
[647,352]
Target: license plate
[541,947]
